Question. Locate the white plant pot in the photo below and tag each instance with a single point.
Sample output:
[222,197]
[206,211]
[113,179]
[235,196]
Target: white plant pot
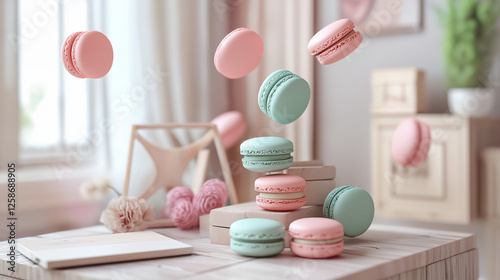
[471,102]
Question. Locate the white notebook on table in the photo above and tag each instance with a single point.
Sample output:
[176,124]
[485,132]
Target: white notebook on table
[100,249]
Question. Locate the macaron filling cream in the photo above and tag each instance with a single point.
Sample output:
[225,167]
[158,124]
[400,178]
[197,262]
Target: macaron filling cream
[317,242]
[295,195]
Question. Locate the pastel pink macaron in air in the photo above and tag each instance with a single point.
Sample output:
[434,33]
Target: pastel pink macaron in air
[87,54]
[410,142]
[239,53]
[231,127]
[316,238]
[280,192]
[335,41]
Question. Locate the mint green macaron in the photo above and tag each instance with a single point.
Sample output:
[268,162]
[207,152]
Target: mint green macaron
[257,237]
[266,154]
[351,206]
[284,96]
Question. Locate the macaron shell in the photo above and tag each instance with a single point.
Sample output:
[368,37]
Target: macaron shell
[329,34]
[280,183]
[317,251]
[288,99]
[410,142]
[341,49]
[231,127]
[329,200]
[92,54]
[257,229]
[280,204]
[66,52]
[316,228]
[250,249]
[268,85]
[353,208]
[239,53]
[423,148]
[267,165]
[269,145]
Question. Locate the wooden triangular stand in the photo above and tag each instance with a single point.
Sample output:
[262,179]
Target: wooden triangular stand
[170,164]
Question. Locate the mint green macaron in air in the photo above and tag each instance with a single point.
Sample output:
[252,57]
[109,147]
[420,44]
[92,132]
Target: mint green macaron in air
[257,237]
[351,206]
[284,96]
[267,154]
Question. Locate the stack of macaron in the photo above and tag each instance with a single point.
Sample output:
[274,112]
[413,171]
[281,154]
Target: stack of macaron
[277,192]
[283,97]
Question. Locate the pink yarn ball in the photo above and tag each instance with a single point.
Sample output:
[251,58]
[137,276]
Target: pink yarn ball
[184,215]
[175,195]
[213,194]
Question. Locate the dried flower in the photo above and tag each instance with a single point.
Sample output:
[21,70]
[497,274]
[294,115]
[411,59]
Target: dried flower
[213,194]
[177,194]
[185,215]
[126,214]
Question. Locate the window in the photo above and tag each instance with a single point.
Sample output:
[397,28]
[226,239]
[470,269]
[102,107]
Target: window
[53,105]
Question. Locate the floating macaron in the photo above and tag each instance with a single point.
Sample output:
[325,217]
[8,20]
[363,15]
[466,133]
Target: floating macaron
[284,96]
[267,154]
[353,207]
[280,192]
[239,53]
[410,142]
[335,41]
[257,237]
[231,127]
[316,238]
[87,54]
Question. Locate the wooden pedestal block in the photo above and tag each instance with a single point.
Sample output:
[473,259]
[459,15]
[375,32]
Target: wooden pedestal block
[313,173]
[223,217]
[398,91]
[317,191]
[445,187]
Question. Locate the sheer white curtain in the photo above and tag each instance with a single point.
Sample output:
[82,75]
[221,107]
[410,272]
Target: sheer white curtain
[8,82]
[163,70]
[286,26]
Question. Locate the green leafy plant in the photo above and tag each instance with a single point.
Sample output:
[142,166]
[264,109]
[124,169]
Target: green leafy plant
[469,41]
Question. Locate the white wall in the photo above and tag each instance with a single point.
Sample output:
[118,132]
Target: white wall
[344,94]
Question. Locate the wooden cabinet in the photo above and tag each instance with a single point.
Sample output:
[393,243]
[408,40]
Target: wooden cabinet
[445,188]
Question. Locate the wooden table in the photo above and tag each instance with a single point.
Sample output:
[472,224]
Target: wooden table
[383,252]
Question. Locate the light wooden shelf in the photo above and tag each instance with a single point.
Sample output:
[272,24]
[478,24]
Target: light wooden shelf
[383,252]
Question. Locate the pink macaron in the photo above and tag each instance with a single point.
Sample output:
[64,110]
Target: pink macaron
[239,53]
[410,142]
[316,238]
[335,41]
[231,126]
[87,54]
[280,192]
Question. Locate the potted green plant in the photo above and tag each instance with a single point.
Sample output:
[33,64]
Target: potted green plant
[470,30]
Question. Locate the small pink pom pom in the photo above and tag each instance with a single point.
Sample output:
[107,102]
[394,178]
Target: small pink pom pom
[213,194]
[126,214]
[184,215]
[175,195]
